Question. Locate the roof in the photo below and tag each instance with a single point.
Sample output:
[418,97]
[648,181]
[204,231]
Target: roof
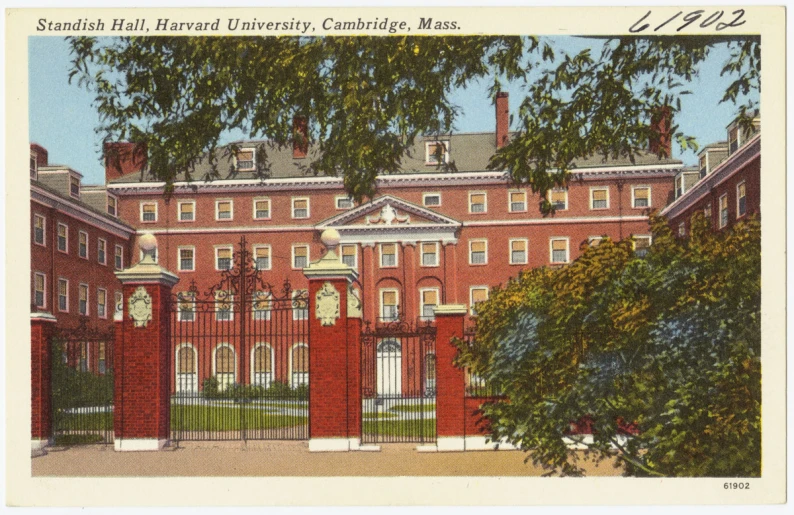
[74,201]
[470,152]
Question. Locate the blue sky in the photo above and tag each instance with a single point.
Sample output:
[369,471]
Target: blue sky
[63,120]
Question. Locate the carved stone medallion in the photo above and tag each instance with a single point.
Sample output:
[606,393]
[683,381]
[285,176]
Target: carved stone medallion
[327,309]
[140,307]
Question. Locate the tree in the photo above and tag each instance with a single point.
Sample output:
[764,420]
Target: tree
[659,354]
[366,99]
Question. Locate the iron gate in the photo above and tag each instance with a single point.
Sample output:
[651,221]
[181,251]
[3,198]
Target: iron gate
[398,366]
[240,356]
[82,384]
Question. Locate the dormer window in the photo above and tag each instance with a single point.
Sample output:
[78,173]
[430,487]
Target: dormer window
[112,206]
[704,166]
[733,140]
[74,187]
[34,167]
[245,160]
[436,152]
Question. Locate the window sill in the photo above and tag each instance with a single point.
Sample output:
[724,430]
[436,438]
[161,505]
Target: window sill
[478,264]
[519,264]
[148,221]
[224,219]
[185,221]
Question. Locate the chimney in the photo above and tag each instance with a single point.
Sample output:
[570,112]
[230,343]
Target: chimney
[502,119]
[300,137]
[659,141]
[123,158]
[42,157]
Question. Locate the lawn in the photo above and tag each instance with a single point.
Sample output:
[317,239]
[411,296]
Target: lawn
[413,408]
[218,418]
[84,421]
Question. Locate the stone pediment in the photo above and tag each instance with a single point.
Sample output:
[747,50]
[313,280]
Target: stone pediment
[388,212]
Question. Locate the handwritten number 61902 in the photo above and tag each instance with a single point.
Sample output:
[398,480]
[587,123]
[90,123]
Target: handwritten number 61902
[691,18]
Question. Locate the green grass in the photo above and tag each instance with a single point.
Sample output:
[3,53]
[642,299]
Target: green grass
[218,418]
[379,416]
[81,439]
[84,421]
[413,408]
[402,428]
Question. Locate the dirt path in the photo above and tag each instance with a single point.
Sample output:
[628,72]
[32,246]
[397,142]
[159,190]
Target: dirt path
[285,459]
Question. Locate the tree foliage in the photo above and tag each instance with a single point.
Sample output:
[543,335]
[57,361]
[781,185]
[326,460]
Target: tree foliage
[368,98]
[661,353]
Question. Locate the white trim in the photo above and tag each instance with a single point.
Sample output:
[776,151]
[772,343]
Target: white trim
[292,208]
[74,177]
[226,230]
[156,211]
[563,190]
[740,215]
[179,250]
[269,255]
[43,230]
[115,253]
[396,255]
[591,239]
[484,202]
[252,368]
[179,205]
[478,240]
[218,212]
[66,239]
[269,208]
[87,243]
[89,217]
[558,220]
[436,253]
[216,248]
[510,251]
[290,370]
[650,197]
[253,159]
[634,238]
[381,305]
[594,189]
[58,296]
[185,345]
[510,201]
[450,443]
[355,254]
[214,364]
[308,255]
[341,444]
[337,198]
[109,196]
[44,291]
[422,304]
[139,444]
[104,315]
[445,155]
[471,296]
[431,194]
[87,301]
[567,249]
[720,224]
[99,242]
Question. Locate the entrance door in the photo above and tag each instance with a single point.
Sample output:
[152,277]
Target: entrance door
[389,367]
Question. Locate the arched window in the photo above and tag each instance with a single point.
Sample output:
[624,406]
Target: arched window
[299,364]
[224,366]
[262,371]
[389,368]
[186,380]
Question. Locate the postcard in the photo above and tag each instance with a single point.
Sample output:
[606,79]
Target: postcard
[396,256]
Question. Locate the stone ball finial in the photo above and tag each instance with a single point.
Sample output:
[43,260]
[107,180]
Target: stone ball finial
[330,238]
[147,243]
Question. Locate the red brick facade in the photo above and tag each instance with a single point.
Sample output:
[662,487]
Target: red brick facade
[41,377]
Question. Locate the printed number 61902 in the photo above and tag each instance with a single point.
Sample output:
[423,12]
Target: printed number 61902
[691,18]
[736,486]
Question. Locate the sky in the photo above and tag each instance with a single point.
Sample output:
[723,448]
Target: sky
[63,120]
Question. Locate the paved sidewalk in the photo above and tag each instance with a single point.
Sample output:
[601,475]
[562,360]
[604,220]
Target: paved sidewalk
[285,459]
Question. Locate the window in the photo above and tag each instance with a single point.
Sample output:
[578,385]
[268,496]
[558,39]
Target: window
[682,229]
[187,257]
[300,256]
[707,212]
[187,211]
[299,365]
[478,252]
[223,210]
[187,306]
[518,252]
[119,257]
[477,294]
[245,159]
[679,186]
[428,300]
[300,304]
[431,199]
[112,206]
[704,168]
[223,306]
[350,255]
[388,255]
[389,306]
[223,258]
[723,211]
[429,254]
[39,230]
[82,244]
[82,299]
[559,199]
[117,302]
[343,202]
[102,360]
[518,201]
[63,238]
[262,257]
[263,365]
[300,208]
[594,241]
[34,166]
[261,304]
[741,200]
[83,356]
[559,250]
[733,140]
[599,198]
[641,196]
[477,202]
[436,152]
[101,303]
[148,211]
[641,245]
[74,187]
[101,251]
[225,366]
[261,209]
[39,289]
[63,295]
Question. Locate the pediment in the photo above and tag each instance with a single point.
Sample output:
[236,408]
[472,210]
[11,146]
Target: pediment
[389,212]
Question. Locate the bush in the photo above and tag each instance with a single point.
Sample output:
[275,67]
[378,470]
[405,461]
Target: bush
[243,392]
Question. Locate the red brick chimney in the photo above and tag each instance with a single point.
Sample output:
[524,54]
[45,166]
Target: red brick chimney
[502,119]
[300,137]
[123,158]
[660,142]
[42,156]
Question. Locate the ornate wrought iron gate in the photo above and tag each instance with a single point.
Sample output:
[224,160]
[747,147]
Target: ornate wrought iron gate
[241,356]
[398,366]
[82,385]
